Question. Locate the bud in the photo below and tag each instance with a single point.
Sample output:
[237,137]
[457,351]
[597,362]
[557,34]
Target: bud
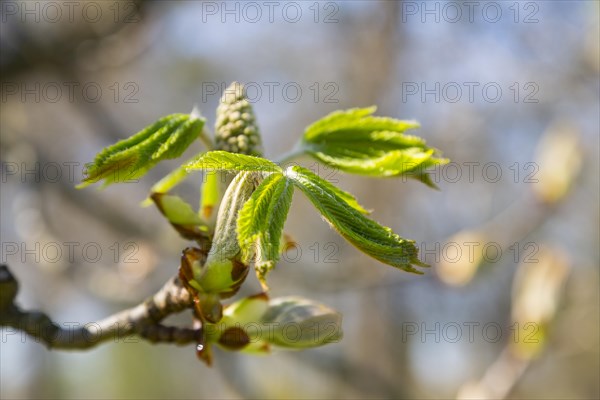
[559,160]
[460,271]
[536,292]
[299,323]
[236,130]
[255,323]
[210,307]
[241,328]
[249,309]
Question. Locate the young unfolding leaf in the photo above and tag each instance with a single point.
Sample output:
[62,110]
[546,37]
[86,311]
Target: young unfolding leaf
[367,235]
[226,161]
[131,158]
[223,272]
[357,142]
[260,223]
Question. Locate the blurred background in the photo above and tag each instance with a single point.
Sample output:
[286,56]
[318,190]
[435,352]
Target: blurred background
[509,91]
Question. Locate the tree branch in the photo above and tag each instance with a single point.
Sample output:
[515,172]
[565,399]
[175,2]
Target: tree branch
[142,320]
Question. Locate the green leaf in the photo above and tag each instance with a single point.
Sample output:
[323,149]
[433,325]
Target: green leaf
[357,142]
[373,162]
[367,235]
[260,223]
[224,160]
[131,158]
[354,120]
[349,198]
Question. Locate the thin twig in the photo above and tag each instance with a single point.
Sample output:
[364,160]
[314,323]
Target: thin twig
[142,320]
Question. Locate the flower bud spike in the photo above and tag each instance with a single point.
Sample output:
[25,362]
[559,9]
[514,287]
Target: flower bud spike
[236,130]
